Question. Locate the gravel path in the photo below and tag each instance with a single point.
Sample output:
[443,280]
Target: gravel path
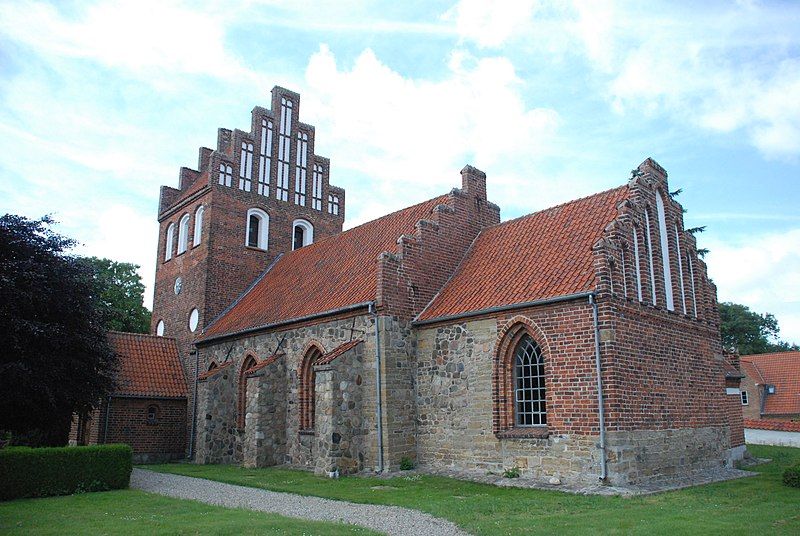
[386,519]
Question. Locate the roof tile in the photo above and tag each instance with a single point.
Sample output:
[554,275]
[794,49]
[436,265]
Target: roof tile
[781,369]
[543,255]
[148,365]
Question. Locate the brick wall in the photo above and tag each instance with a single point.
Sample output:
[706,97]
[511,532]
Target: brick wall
[163,439]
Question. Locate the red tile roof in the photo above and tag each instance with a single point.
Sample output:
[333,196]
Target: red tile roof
[766,424]
[148,365]
[782,370]
[333,273]
[336,352]
[543,255]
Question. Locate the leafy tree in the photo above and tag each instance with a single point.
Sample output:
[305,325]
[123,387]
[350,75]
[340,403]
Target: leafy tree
[749,332]
[120,294]
[54,359]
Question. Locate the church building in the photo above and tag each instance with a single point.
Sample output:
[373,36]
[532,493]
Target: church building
[580,342]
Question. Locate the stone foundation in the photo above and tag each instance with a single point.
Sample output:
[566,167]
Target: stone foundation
[642,456]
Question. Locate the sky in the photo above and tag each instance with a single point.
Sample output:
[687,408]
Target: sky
[103,102]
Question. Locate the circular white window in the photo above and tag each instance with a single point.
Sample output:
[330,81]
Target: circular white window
[194,319]
[160,328]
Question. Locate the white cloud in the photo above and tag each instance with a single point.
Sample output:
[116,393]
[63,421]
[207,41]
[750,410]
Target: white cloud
[762,272]
[728,68]
[406,134]
[137,36]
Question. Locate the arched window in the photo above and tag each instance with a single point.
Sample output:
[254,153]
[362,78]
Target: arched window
[664,237]
[183,234]
[198,225]
[307,388]
[225,174]
[529,389]
[679,255]
[169,242]
[257,229]
[302,234]
[160,328]
[248,363]
[152,414]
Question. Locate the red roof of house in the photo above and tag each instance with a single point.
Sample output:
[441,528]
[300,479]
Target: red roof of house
[543,255]
[335,272]
[782,370]
[766,424]
[148,365]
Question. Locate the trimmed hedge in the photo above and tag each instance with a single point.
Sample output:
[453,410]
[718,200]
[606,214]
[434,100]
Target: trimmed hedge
[791,476]
[40,472]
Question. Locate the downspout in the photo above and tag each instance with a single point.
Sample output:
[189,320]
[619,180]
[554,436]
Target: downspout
[105,426]
[379,405]
[601,412]
[194,403]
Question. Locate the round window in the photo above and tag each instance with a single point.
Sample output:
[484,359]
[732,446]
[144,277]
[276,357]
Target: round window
[160,328]
[178,285]
[194,319]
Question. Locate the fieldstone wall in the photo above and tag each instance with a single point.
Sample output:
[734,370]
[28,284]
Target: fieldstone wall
[646,456]
[398,371]
[217,436]
[265,421]
[340,424]
[455,413]
[300,447]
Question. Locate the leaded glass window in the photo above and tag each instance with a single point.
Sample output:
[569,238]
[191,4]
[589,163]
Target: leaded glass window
[529,387]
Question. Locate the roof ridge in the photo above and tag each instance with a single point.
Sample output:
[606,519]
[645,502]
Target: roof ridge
[150,335]
[786,353]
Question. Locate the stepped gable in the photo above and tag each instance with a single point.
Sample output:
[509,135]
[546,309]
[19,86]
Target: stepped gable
[149,366]
[546,254]
[333,273]
[781,369]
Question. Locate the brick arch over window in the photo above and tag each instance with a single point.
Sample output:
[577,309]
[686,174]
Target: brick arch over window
[307,378]
[508,340]
[249,362]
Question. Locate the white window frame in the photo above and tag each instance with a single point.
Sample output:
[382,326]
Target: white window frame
[183,234]
[160,328]
[246,166]
[265,157]
[745,398]
[194,318]
[308,235]
[284,148]
[198,226]
[316,187]
[225,174]
[262,240]
[169,242]
[333,204]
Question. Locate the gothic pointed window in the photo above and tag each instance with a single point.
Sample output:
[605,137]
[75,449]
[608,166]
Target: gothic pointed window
[637,264]
[284,148]
[649,244]
[679,255]
[301,170]
[247,364]
[307,388]
[529,387]
[316,188]
[265,158]
[665,257]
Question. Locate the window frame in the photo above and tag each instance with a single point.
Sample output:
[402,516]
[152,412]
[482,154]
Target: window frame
[183,234]
[169,241]
[197,237]
[308,232]
[152,420]
[538,395]
[744,397]
[262,240]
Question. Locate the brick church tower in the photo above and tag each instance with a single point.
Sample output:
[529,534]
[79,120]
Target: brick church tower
[261,193]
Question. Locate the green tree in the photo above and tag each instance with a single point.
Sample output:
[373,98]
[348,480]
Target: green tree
[54,358]
[749,332]
[120,293]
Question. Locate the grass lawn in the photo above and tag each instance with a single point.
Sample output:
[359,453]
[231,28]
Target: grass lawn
[136,512]
[755,505]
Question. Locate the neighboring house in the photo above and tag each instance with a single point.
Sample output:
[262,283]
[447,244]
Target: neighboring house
[147,409]
[580,342]
[771,387]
